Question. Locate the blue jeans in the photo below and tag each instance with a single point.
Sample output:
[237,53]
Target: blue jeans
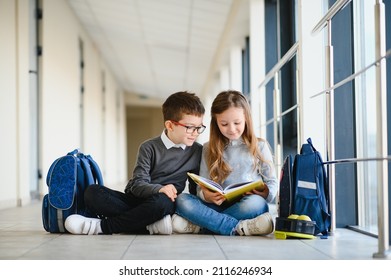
[220,219]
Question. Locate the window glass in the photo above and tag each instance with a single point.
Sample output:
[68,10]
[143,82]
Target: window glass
[365,84]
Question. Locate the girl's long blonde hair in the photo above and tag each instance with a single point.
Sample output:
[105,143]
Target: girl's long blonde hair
[218,168]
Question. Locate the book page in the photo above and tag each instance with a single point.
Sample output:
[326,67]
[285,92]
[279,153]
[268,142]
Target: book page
[213,183]
[199,180]
[232,186]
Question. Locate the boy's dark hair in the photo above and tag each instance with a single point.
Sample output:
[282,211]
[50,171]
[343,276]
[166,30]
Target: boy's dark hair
[181,103]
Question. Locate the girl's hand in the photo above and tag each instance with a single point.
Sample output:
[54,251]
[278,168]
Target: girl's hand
[212,197]
[170,191]
[264,193]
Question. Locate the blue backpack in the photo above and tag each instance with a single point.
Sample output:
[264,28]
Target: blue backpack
[304,188]
[67,179]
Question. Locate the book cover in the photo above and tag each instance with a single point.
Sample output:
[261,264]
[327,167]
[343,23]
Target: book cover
[231,192]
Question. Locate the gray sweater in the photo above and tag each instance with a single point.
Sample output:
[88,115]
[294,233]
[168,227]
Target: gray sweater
[236,154]
[158,166]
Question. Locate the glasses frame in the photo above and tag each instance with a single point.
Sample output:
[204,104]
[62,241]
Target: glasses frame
[190,129]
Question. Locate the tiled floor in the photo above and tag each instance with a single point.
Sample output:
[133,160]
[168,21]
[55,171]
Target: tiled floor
[22,237]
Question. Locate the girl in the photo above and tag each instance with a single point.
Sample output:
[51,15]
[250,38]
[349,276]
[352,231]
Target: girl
[233,155]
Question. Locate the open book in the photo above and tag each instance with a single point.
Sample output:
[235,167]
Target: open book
[230,192]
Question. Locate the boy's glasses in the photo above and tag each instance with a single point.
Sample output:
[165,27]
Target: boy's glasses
[191,129]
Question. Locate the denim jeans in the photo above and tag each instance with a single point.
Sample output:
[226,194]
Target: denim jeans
[125,213]
[220,219]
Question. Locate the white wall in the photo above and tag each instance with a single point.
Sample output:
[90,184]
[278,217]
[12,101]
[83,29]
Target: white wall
[93,112]
[14,104]
[110,164]
[61,94]
[60,99]
[24,172]
[60,82]
[8,104]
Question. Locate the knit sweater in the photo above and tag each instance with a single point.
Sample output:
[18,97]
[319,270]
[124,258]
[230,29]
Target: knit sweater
[158,166]
[237,155]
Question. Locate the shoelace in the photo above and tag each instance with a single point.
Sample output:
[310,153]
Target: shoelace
[190,228]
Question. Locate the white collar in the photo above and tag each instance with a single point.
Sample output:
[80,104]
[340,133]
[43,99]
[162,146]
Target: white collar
[169,144]
[236,142]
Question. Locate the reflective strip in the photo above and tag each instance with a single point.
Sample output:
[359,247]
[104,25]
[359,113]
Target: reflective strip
[60,221]
[306,185]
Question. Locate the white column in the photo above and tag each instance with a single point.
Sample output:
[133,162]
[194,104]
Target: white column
[224,78]
[257,64]
[381,134]
[311,57]
[236,68]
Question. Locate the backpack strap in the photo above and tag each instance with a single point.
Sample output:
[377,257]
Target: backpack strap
[325,207]
[89,165]
[91,168]
[308,148]
[309,141]
[87,170]
[95,170]
[75,152]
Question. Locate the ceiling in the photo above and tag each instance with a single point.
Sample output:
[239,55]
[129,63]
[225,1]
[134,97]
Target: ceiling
[157,47]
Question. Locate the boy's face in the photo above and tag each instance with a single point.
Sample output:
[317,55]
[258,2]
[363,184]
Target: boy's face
[179,134]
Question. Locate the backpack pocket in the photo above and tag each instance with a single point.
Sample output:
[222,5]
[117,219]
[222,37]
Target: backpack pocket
[62,183]
[307,203]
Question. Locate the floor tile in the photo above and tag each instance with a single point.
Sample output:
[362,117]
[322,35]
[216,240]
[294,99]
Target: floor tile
[22,237]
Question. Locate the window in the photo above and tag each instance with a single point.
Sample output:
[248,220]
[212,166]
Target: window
[281,111]
[365,85]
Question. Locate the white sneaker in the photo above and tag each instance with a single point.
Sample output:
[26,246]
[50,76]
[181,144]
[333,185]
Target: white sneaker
[261,225]
[163,226]
[181,225]
[78,224]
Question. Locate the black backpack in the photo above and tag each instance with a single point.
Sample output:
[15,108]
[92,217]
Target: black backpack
[304,188]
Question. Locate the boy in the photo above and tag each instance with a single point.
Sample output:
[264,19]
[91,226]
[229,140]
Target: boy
[159,176]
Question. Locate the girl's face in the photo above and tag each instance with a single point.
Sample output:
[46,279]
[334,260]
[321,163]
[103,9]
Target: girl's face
[231,122]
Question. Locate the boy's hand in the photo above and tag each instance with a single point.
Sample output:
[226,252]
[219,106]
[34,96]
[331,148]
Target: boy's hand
[170,191]
[214,197]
